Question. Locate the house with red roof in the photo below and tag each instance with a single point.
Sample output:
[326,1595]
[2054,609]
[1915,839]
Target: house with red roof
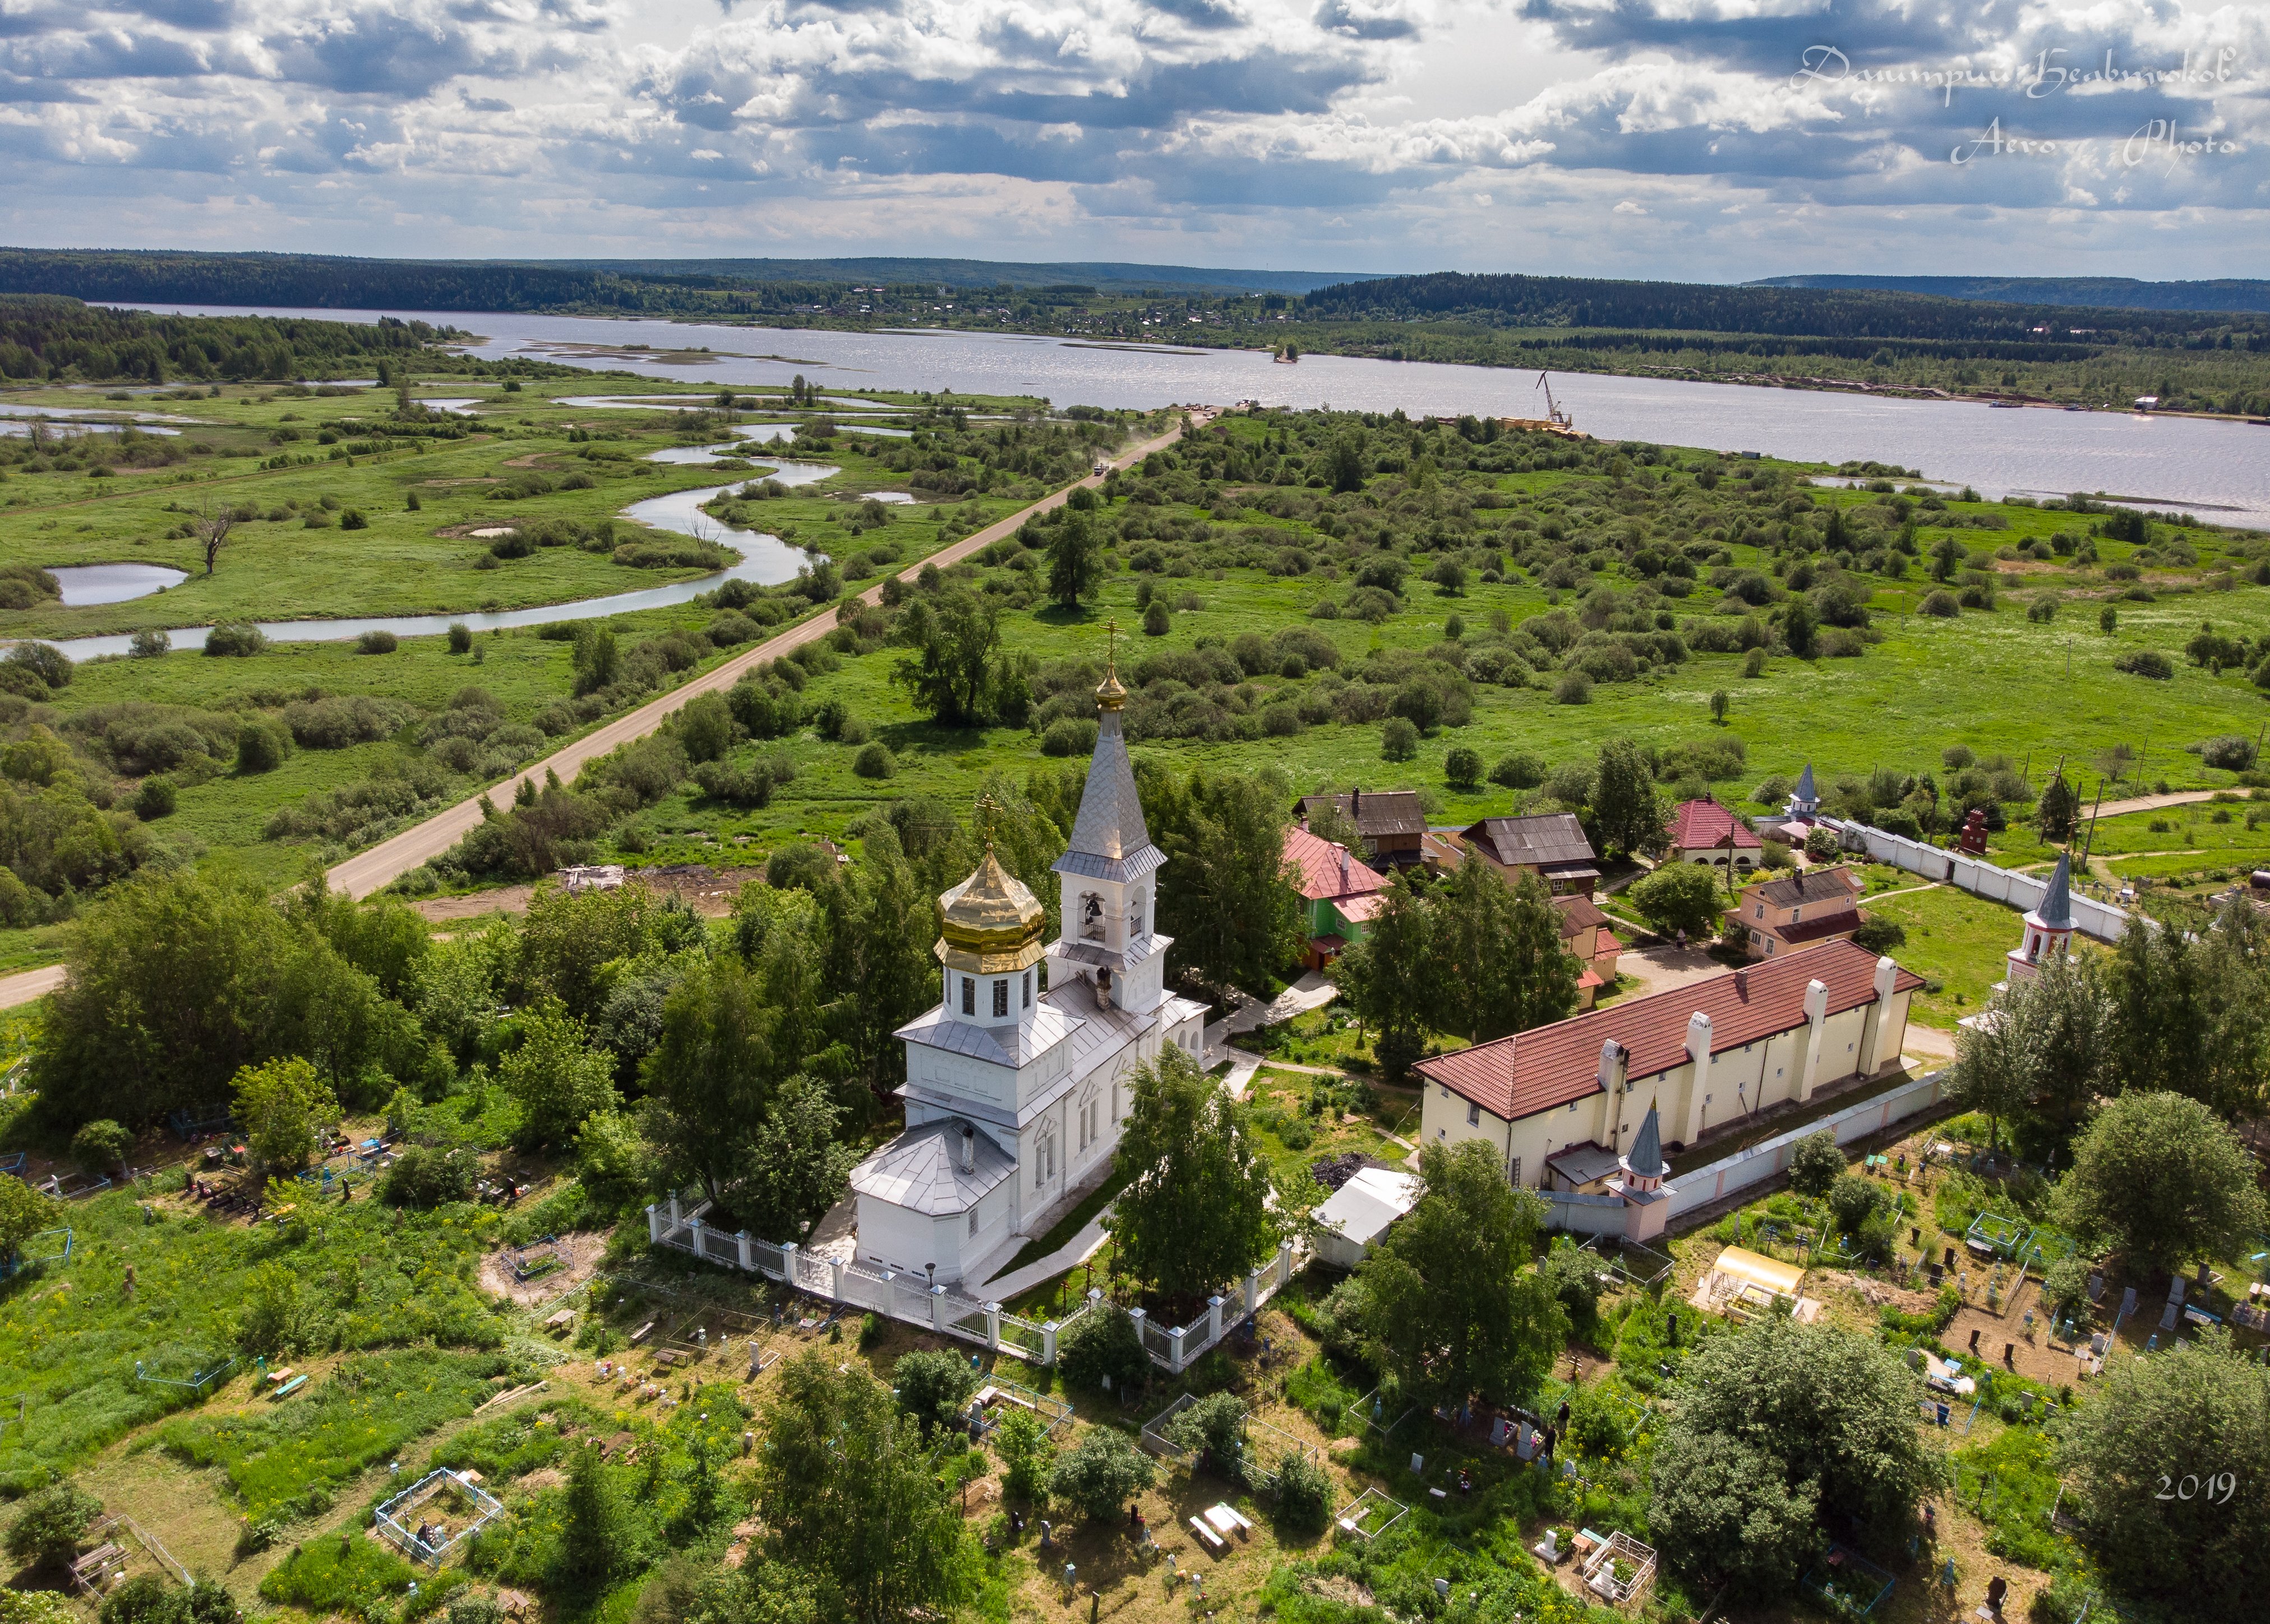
[1339,893]
[1705,832]
[1560,1105]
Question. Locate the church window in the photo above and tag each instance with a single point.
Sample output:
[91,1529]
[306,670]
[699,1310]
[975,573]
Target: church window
[1029,990]
[969,995]
[1001,998]
[1135,916]
[973,1221]
[1090,916]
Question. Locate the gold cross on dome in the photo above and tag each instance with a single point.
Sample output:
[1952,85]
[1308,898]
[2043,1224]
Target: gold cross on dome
[1111,649]
[988,809]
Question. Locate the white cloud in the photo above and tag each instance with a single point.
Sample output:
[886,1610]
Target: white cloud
[1252,129]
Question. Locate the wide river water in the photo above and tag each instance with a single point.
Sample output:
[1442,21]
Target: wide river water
[2218,470]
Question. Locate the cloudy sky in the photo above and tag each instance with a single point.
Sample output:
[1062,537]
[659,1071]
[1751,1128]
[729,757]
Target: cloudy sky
[1715,139]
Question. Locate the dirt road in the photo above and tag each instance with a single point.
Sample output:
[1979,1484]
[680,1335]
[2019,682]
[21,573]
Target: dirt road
[388,861]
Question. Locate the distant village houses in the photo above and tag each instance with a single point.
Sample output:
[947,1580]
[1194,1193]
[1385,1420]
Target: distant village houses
[1392,822]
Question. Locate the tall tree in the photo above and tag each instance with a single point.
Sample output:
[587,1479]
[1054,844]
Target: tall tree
[2169,1464]
[1225,895]
[1625,807]
[849,1493]
[1075,561]
[1451,1294]
[281,1106]
[1387,978]
[2188,1012]
[1195,1214]
[2161,1180]
[1500,964]
[1786,1436]
[953,643]
[880,975]
[795,1167]
[556,1077]
[709,1081]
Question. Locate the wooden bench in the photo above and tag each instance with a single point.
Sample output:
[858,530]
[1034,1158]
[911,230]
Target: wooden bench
[562,1320]
[642,1333]
[289,1387]
[1206,1535]
[1224,1517]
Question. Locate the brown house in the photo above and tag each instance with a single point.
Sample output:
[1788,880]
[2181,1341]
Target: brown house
[1391,821]
[1550,845]
[1796,911]
[1585,933]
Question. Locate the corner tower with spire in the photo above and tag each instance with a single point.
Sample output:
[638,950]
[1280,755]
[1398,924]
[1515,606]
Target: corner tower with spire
[1015,1088]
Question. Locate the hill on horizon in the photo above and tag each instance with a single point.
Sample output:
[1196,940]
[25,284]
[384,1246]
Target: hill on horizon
[2097,292]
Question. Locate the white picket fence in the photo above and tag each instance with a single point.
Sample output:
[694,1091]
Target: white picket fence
[2092,917]
[941,1308]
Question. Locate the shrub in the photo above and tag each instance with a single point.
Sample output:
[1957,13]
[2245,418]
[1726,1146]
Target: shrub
[1069,736]
[1214,1427]
[932,1385]
[100,1146]
[1942,604]
[1851,1199]
[353,520]
[1753,664]
[1101,1345]
[1463,769]
[1519,771]
[1881,936]
[1815,1163]
[1573,688]
[49,1523]
[1100,1475]
[235,640]
[148,644]
[1398,739]
[2042,610]
[155,799]
[422,1177]
[1304,1495]
[461,638]
[2145,663]
[1156,620]
[874,761]
[1021,1441]
[2233,752]
[261,746]
[377,641]
[51,665]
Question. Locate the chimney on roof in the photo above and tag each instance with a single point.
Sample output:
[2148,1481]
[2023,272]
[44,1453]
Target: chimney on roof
[1344,870]
[1355,803]
[1741,983]
[1800,882]
[1611,1065]
[968,1148]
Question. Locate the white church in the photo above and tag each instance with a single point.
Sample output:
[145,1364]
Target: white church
[1014,1095]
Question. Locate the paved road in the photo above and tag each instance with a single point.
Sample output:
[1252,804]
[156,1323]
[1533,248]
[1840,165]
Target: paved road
[388,861]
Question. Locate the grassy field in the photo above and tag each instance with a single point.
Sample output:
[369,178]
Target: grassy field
[1956,942]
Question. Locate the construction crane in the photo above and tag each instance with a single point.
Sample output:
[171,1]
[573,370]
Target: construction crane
[1552,407]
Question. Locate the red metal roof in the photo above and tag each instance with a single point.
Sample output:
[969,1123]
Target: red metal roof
[1328,869]
[1548,1067]
[1695,825]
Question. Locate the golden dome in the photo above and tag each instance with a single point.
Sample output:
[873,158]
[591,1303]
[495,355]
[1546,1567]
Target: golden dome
[1111,693]
[992,922]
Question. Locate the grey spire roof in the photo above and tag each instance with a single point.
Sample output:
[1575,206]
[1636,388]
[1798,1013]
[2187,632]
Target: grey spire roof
[1646,1157]
[1109,839]
[1804,790]
[2056,908]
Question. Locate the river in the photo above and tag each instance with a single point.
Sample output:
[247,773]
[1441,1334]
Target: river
[2218,470]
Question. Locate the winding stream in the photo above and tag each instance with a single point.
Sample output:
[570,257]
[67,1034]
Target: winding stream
[765,560]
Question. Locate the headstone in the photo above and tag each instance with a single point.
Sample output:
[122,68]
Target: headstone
[2176,1290]
[2168,1319]
[2127,1302]
[2095,1287]
[1418,1465]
